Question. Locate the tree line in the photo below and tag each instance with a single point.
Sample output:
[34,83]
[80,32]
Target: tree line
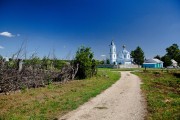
[172,52]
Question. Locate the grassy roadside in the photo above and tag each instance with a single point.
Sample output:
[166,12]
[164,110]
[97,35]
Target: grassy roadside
[162,90]
[54,100]
[142,69]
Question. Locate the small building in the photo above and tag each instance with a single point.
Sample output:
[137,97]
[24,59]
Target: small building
[153,63]
[174,63]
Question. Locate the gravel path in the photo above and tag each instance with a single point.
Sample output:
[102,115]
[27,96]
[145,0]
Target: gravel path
[122,101]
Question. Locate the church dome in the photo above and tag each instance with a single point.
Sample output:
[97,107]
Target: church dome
[125,51]
[124,54]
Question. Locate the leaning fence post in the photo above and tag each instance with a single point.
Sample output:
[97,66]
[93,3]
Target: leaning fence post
[20,65]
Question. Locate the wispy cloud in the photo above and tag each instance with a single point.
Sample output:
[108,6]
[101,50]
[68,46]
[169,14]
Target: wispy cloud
[6,34]
[1,47]
[18,35]
[103,55]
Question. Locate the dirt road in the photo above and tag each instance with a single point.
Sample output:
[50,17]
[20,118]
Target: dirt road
[122,101]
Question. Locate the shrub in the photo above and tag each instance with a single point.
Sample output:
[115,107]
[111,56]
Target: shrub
[87,65]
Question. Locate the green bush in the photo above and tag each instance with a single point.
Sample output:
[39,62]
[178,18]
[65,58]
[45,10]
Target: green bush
[87,65]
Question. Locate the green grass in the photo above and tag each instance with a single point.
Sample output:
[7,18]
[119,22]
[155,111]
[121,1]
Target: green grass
[142,69]
[128,69]
[122,69]
[162,90]
[54,100]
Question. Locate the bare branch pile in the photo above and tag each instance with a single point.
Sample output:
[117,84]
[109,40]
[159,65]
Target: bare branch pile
[16,78]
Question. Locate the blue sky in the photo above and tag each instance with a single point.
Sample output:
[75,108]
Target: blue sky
[65,25]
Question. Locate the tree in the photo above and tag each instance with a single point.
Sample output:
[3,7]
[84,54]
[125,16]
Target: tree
[138,56]
[46,63]
[12,63]
[101,62]
[34,61]
[107,61]
[178,58]
[87,65]
[172,51]
[167,60]
[158,57]
[58,64]
[1,57]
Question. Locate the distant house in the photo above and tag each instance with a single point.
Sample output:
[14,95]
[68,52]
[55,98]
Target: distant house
[174,63]
[153,63]
[6,59]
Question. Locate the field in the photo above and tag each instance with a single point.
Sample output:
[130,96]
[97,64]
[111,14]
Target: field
[162,91]
[55,99]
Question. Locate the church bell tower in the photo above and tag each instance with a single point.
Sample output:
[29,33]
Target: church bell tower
[113,56]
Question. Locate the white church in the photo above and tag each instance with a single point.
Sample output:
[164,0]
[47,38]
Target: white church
[122,58]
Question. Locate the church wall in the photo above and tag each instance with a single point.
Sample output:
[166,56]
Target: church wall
[105,66]
[117,66]
[127,66]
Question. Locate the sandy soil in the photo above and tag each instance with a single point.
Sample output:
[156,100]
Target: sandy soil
[122,101]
